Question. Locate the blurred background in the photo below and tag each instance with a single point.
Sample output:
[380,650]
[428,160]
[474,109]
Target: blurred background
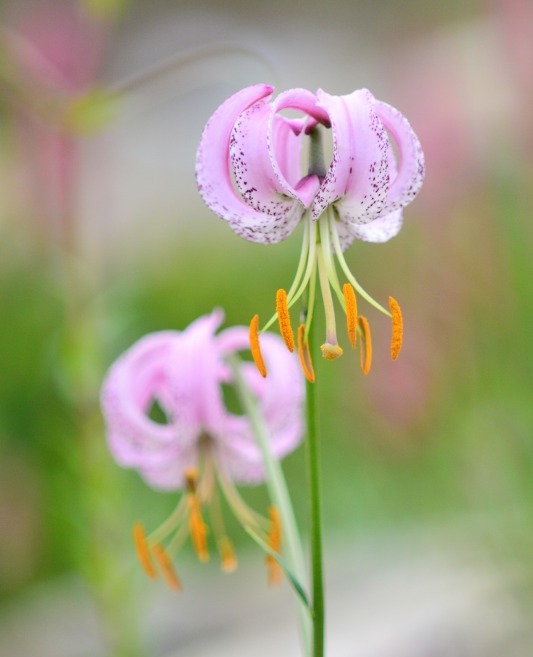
[427,462]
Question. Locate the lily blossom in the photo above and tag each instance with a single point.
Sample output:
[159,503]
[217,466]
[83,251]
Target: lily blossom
[249,173]
[201,447]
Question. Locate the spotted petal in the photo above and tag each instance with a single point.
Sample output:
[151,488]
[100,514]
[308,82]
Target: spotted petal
[358,176]
[411,170]
[214,178]
[253,161]
[381,229]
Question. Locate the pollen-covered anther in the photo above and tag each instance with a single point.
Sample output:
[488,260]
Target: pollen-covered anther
[255,347]
[397,328]
[164,562]
[227,555]
[305,357]
[143,550]
[331,351]
[284,319]
[366,346]
[275,572]
[351,312]
[197,526]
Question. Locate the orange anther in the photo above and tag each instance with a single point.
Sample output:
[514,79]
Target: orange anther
[171,578]
[227,554]
[366,346]
[284,319]
[191,479]
[304,355]
[143,550]
[351,312]
[275,571]
[397,328]
[197,527]
[255,347]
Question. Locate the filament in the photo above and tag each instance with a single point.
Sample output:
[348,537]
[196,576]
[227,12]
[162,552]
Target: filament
[246,515]
[350,276]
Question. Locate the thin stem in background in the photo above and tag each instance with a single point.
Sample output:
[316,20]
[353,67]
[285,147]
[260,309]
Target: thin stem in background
[278,491]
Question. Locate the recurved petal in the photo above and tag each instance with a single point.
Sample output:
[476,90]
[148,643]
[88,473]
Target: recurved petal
[301,100]
[253,160]
[139,378]
[358,177]
[280,397]
[214,179]
[202,362]
[381,229]
[411,170]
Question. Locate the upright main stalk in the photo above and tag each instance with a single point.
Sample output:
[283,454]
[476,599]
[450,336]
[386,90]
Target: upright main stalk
[315,515]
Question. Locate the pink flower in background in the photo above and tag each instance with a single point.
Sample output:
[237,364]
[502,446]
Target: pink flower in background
[59,45]
[200,446]
[249,173]
[55,54]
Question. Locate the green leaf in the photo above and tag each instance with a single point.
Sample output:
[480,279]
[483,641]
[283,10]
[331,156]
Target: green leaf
[296,585]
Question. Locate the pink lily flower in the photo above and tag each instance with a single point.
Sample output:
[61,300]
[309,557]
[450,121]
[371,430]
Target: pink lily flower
[202,447]
[248,173]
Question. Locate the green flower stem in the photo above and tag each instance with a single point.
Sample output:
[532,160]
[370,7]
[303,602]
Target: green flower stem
[315,514]
[278,491]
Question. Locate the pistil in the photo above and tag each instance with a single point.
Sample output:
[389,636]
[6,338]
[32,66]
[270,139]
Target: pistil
[330,349]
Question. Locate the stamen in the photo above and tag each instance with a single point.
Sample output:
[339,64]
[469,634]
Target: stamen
[171,578]
[197,526]
[351,312]
[304,355]
[366,346]
[275,572]
[255,346]
[284,319]
[244,514]
[344,266]
[397,328]
[227,554]
[143,550]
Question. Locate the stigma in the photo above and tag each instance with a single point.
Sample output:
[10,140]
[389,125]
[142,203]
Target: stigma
[321,261]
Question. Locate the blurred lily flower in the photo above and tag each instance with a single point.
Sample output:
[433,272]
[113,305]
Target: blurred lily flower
[197,444]
[248,172]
